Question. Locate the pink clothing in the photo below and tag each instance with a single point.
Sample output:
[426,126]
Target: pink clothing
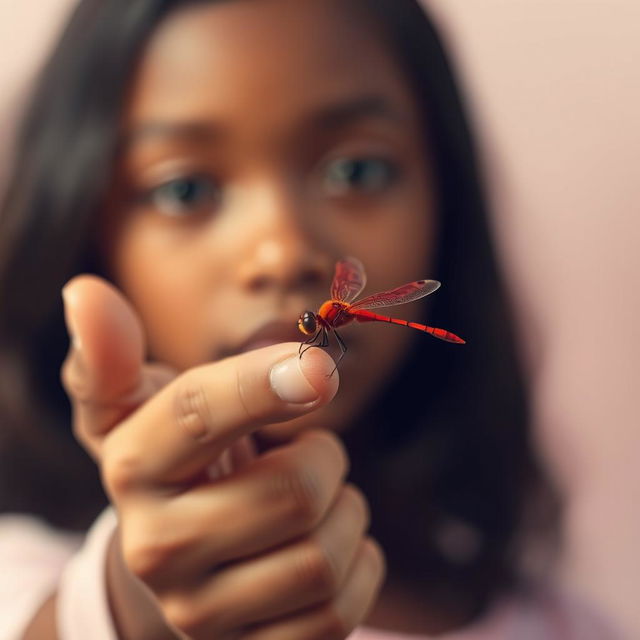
[37,560]
[32,557]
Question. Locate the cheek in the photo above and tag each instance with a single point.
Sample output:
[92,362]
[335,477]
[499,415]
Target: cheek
[397,252]
[396,242]
[163,283]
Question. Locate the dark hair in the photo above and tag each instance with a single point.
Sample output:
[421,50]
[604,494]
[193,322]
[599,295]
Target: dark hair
[451,432]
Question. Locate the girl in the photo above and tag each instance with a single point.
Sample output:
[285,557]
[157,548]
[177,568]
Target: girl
[203,164]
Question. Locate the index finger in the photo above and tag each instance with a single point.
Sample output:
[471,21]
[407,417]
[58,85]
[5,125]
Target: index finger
[184,428]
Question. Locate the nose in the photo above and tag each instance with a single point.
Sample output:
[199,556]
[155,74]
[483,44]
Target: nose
[284,252]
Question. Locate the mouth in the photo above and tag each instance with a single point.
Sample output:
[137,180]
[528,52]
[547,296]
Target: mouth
[267,334]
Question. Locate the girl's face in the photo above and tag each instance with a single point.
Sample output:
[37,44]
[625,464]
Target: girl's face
[262,142]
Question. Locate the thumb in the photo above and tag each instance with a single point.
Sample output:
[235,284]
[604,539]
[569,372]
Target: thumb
[104,373]
[106,334]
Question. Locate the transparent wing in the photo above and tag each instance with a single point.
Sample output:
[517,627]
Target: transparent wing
[401,295]
[349,280]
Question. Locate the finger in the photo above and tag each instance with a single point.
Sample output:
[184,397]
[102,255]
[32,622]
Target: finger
[243,453]
[170,441]
[104,374]
[336,619]
[107,341]
[285,581]
[284,495]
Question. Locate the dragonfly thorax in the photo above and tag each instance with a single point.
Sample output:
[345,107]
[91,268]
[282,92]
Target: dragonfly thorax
[334,313]
[307,323]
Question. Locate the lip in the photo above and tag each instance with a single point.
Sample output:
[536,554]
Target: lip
[267,334]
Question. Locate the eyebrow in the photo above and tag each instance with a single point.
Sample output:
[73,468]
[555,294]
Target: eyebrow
[343,114]
[331,117]
[196,130]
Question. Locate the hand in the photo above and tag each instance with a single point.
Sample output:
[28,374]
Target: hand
[277,548]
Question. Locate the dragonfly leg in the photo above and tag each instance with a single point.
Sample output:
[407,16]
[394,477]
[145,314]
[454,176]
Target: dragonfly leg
[343,351]
[310,342]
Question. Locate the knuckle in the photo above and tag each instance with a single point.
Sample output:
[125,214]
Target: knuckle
[65,374]
[335,627]
[121,472]
[341,452]
[337,449]
[75,385]
[146,561]
[317,570]
[375,557]
[148,553]
[150,548]
[300,491]
[181,614]
[195,619]
[192,410]
[358,503]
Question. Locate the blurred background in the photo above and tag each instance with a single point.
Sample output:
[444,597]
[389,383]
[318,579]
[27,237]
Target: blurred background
[554,88]
[555,91]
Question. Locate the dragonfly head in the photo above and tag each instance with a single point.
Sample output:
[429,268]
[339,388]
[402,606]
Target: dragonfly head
[307,323]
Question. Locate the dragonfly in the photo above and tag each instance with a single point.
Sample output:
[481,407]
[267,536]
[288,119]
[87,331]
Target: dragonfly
[348,282]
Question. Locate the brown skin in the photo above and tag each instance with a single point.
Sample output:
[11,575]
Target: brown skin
[204,281]
[278,549]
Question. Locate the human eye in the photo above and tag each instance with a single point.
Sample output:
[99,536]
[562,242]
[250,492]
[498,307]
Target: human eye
[182,195]
[359,174]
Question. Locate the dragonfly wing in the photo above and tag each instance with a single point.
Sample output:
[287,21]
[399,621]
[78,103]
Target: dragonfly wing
[401,295]
[349,280]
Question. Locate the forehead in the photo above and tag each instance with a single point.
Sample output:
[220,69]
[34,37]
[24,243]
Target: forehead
[263,59]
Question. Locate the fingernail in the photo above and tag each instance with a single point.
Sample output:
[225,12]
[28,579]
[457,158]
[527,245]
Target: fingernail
[288,380]
[69,300]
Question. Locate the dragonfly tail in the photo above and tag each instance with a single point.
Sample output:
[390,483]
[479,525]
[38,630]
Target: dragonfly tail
[442,334]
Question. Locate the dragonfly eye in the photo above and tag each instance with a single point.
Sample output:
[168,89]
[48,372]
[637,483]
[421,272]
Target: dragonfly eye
[307,323]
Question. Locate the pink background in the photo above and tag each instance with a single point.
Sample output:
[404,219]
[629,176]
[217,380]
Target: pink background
[555,89]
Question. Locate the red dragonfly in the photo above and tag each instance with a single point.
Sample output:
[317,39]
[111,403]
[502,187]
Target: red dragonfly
[349,280]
